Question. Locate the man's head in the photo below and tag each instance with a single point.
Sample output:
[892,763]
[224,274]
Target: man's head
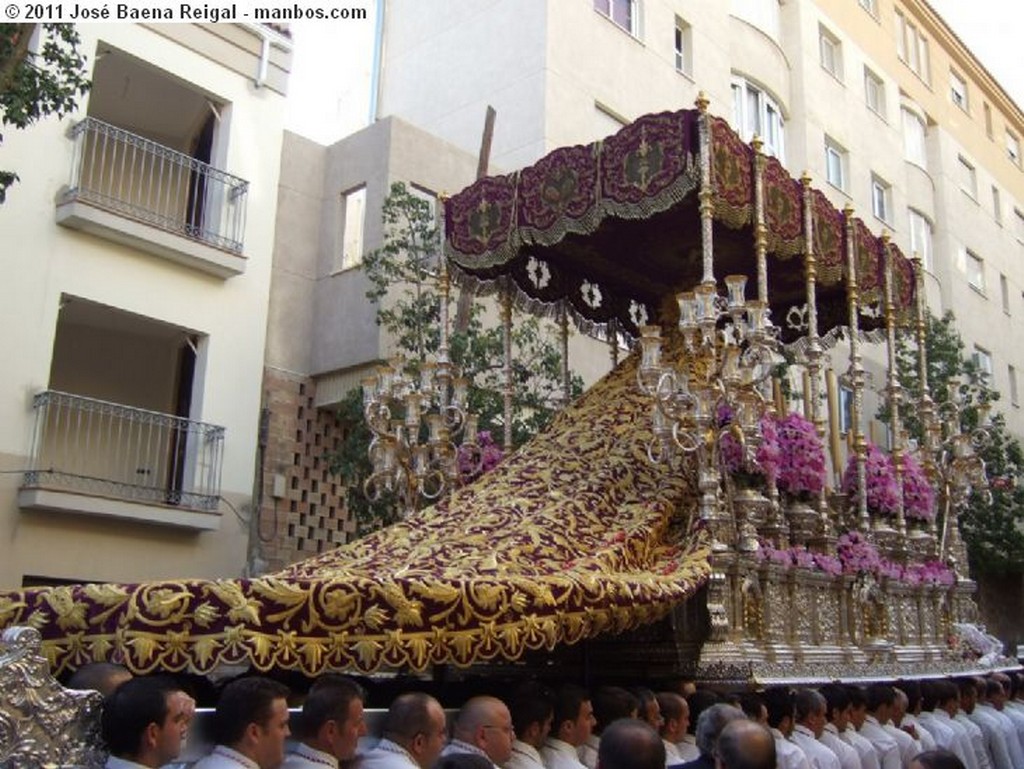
[995,693]
[837,705]
[900,706]
[968,694]
[711,723]
[486,723]
[145,720]
[252,718]
[880,699]
[809,707]
[630,743]
[532,710]
[936,759]
[699,701]
[947,696]
[612,703]
[648,710]
[416,721]
[675,714]
[745,745]
[754,708]
[102,677]
[779,702]
[913,691]
[332,717]
[858,706]
[574,715]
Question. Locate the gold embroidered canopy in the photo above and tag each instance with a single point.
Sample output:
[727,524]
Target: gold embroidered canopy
[575,535]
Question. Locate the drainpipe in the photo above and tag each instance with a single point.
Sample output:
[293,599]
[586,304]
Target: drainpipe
[268,39]
[377,73]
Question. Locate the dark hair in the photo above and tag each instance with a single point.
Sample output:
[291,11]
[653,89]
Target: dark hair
[857,698]
[630,743]
[568,700]
[464,761]
[779,703]
[132,707]
[913,691]
[751,704]
[245,701]
[98,676]
[836,699]
[944,691]
[746,745]
[328,699]
[965,685]
[939,759]
[699,701]
[879,695]
[671,705]
[807,702]
[612,703]
[531,703]
[408,716]
[992,687]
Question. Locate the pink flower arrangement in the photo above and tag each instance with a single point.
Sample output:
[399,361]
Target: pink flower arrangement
[490,454]
[882,489]
[801,460]
[765,462]
[918,494]
[930,573]
[857,555]
[801,557]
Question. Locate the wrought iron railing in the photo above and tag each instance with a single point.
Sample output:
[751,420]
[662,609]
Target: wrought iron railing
[133,176]
[108,449]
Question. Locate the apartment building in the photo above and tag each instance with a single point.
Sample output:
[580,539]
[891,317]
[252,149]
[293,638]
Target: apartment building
[876,99]
[137,270]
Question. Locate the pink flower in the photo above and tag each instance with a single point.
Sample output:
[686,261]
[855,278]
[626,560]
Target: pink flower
[489,456]
[882,490]
[918,494]
[801,460]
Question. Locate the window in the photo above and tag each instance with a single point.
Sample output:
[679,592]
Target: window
[1013,148]
[968,177]
[830,51]
[755,112]
[1014,398]
[354,220]
[958,91]
[982,358]
[763,14]
[912,47]
[684,47]
[871,6]
[988,120]
[621,12]
[874,92]
[921,238]
[1004,292]
[914,133]
[975,271]
[881,197]
[845,409]
[1018,218]
[835,163]
[997,206]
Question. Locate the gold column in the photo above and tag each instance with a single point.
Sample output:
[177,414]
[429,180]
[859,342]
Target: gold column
[894,391]
[856,374]
[926,406]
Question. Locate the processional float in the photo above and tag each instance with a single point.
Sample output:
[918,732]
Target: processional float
[621,539]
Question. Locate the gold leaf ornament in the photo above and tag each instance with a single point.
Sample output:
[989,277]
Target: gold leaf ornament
[70,613]
[240,607]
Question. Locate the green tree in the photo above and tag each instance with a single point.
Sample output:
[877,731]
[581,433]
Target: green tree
[993,530]
[36,84]
[403,283]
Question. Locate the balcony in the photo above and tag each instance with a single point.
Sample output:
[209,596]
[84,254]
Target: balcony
[94,457]
[132,190]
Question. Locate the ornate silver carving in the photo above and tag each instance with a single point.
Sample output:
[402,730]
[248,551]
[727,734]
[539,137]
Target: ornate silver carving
[42,723]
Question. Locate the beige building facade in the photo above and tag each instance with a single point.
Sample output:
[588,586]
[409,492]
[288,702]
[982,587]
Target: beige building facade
[135,300]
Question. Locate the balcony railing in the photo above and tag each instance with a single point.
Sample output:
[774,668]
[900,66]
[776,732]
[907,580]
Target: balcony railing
[129,175]
[106,449]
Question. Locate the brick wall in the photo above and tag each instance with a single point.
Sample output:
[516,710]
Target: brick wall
[310,517]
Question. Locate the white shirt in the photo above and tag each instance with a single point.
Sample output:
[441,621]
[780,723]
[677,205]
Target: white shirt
[524,756]
[223,757]
[995,740]
[588,751]
[909,747]
[787,754]
[848,758]
[817,754]
[671,754]
[1017,719]
[113,762]
[688,750]
[387,755]
[560,755]
[977,739]
[865,750]
[885,745]
[939,724]
[302,756]
[923,735]
[1010,732]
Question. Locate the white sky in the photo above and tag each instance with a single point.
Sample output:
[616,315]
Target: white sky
[329,90]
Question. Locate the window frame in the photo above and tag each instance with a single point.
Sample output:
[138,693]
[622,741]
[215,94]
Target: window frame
[908,145]
[997,205]
[1018,217]
[608,11]
[873,83]
[960,96]
[972,259]
[830,44]
[921,237]
[683,46]
[1013,148]
[768,110]
[881,198]
[982,359]
[1011,373]
[352,260]
[871,6]
[1004,292]
[834,149]
[966,166]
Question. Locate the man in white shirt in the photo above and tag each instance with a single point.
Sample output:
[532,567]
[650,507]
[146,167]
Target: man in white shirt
[857,713]
[940,701]
[909,746]
[630,743]
[573,722]
[837,714]
[251,723]
[779,704]
[1002,700]
[697,701]
[413,736]
[675,715]
[330,725]
[483,726]
[610,704]
[809,713]
[908,706]
[994,705]
[532,709]
[879,710]
[972,704]
[746,745]
[144,723]
[965,687]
